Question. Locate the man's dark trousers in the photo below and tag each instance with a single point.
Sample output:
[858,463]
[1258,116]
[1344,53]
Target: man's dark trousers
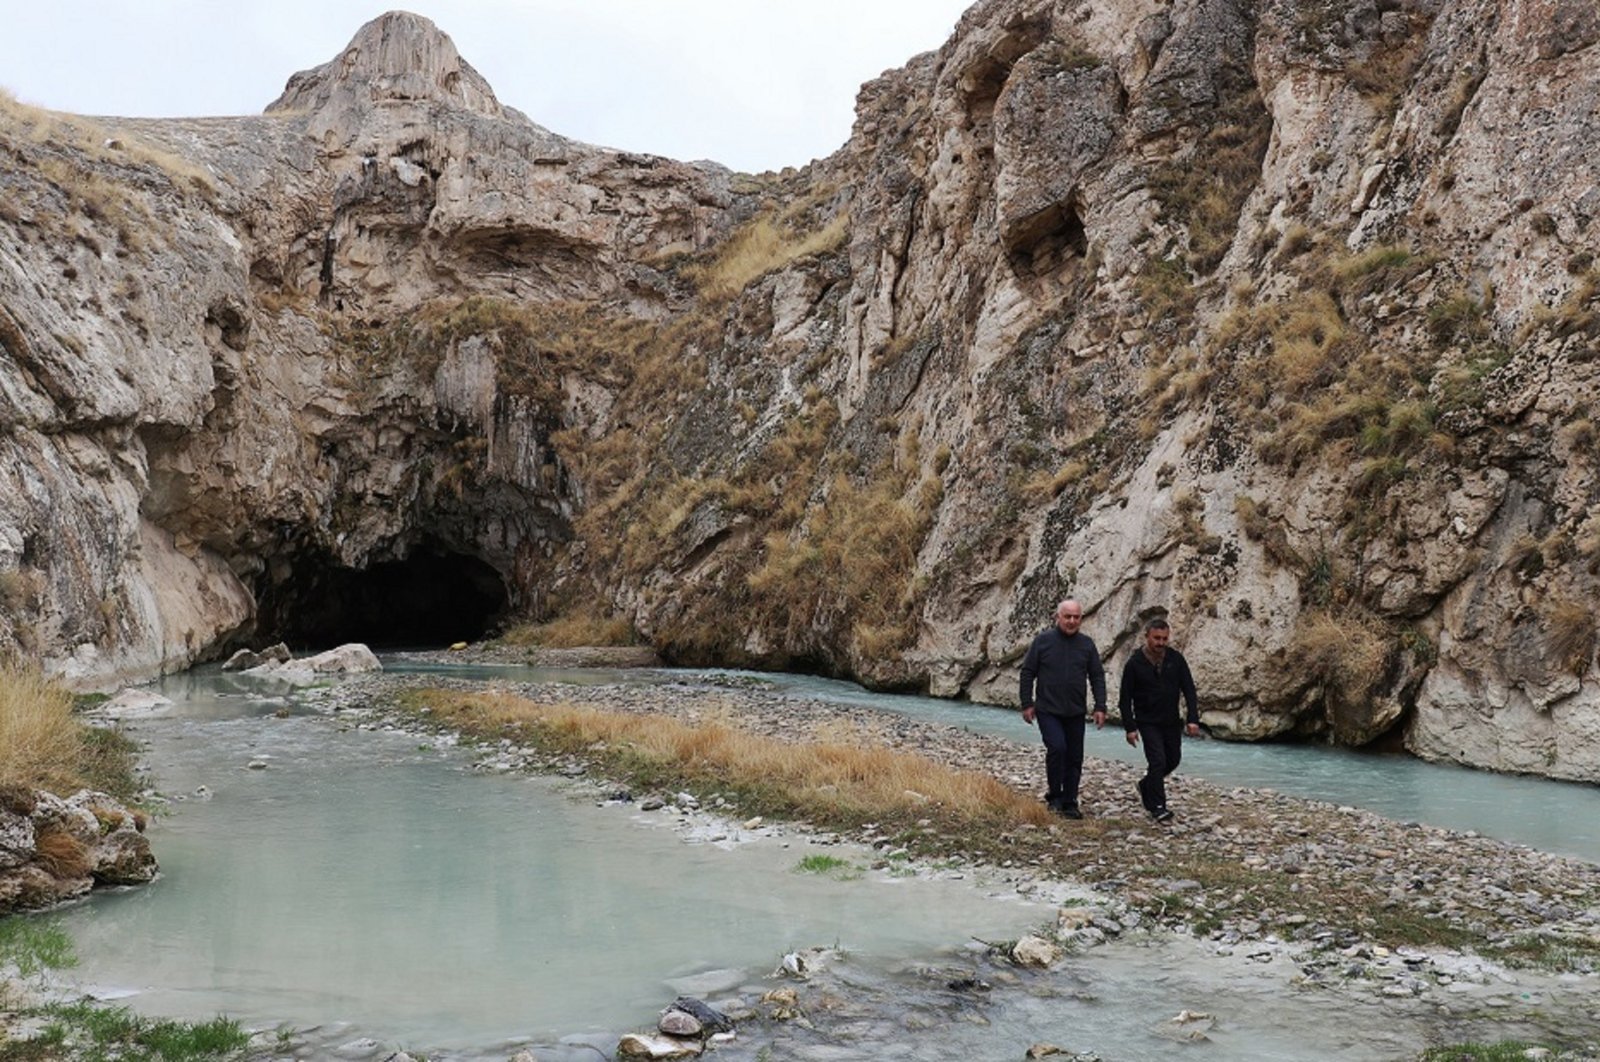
[1163,748]
[1063,756]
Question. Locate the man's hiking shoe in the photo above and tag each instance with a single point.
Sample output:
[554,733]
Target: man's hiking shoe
[1161,815]
[1067,811]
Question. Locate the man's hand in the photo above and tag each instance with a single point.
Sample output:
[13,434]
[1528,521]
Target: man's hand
[1193,730]
[1133,738]
[1027,715]
[1099,719]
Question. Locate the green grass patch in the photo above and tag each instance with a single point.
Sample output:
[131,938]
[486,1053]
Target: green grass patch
[830,866]
[100,1034]
[1505,1051]
[34,945]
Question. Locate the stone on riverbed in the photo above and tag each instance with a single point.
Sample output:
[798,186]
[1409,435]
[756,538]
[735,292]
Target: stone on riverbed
[245,659]
[637,1045]
[351,659]
[1034,951]
[133,704]
[687,1016]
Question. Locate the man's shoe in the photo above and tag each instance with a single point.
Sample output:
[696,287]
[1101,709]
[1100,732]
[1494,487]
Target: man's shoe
[1161,815]
[1068,811]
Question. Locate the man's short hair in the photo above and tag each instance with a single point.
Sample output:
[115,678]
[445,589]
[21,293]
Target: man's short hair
[1157,624]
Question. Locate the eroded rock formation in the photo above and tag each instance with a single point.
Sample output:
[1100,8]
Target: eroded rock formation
[1279,317]
[54,849]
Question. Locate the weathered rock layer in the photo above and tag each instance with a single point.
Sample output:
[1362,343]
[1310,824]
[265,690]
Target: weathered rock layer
[1277,317]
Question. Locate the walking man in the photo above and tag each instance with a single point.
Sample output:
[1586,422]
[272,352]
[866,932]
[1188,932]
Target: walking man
[1152,680]
[1059,665]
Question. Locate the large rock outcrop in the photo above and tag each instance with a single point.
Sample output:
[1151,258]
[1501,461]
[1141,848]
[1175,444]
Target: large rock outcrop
[1277,317]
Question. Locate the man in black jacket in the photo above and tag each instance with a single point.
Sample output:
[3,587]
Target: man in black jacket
[1152,681]
[1063,660]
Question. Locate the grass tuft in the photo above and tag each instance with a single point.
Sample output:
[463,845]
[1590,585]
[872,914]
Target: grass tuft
[96,1032]
[1572,635]
[763,244]
[33,945]
[62,855]
[43,746]
[572,632]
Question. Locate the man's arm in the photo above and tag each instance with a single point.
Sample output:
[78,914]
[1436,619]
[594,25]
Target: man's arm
[1097,680]
[1125,695]
[1190,696]
[1030,669]
[1130,676]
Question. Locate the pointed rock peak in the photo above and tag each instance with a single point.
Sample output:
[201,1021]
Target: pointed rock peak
[397,56]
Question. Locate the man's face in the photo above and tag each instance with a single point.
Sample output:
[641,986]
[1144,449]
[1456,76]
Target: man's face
[1156,640]
[1069,618]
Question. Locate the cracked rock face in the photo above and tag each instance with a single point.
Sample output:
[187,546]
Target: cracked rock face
[1276,319]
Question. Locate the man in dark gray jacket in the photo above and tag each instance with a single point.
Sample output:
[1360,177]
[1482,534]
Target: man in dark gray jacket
[1060,663]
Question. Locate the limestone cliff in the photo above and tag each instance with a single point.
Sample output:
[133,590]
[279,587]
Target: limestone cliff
[1279,317]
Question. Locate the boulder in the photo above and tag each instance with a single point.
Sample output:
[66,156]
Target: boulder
[1034,951]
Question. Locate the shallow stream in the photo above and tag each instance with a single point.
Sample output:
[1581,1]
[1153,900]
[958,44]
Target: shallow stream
[364,883]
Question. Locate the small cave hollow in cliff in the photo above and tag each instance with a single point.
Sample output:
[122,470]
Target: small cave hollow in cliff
[430,598]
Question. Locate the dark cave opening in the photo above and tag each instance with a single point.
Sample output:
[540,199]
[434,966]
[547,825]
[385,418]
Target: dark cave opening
[433,597]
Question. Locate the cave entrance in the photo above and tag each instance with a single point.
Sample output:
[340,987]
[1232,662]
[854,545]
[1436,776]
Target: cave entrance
[433,597]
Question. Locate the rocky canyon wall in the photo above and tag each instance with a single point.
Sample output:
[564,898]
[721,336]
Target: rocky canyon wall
[1277,318]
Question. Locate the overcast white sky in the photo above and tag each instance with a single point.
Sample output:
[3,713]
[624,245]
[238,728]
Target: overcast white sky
[754,84]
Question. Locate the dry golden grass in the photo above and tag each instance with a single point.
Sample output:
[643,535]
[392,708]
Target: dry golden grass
[41,745]
[1208,196]
[572,631]
[760,246]
[1377,259]
[1587,540]
[1348,651]
[1305,342]
[853,558]
[1052,484]
[1573,635]
[1382,76]
[100,142]
[832,783]
[62,854]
